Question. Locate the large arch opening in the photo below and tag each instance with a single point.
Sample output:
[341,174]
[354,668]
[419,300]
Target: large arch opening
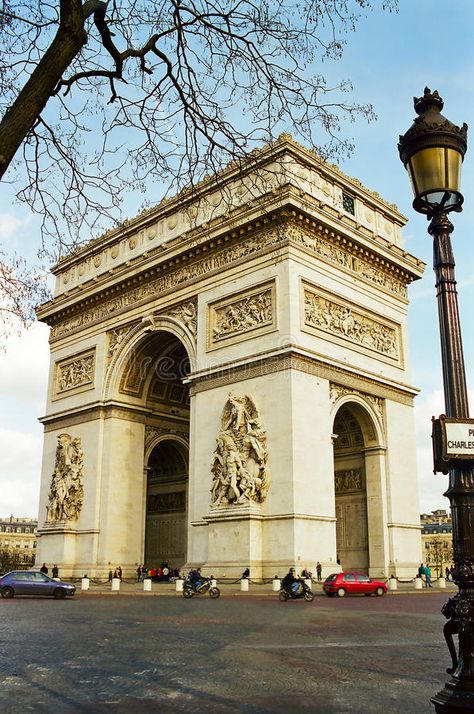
[350,485]
[154,379]
[166,505]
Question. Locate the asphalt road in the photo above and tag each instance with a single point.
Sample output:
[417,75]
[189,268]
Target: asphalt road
[237,654]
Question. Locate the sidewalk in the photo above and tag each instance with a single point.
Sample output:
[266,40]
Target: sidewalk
[233,589]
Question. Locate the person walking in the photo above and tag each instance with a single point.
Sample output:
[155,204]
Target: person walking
[319,569]
[428,575]
[119,572]
[44,569]
[55,571]
[111,575]
[139,573]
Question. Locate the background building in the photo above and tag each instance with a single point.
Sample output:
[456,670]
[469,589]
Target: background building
[17,542]
[436,537]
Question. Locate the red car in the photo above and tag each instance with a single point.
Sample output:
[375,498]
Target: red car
[354,584]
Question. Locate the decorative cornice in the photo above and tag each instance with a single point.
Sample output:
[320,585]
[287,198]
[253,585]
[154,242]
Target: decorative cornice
[255,161]
[232,248]
[290,359]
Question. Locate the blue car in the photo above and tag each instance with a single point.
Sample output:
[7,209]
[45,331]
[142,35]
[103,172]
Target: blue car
[32,582]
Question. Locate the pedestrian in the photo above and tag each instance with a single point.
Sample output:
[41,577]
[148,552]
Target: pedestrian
[119,572]
[139,573]
[421,572]
[246,573]
[319,570]
[44,569]
[115,574]
[447,573]
[428,575]
[111,575]
[55,571]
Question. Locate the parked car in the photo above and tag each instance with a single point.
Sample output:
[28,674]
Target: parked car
[32,582]
[341,584]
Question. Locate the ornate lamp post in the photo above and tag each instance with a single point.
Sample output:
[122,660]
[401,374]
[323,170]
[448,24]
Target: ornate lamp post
[432,151]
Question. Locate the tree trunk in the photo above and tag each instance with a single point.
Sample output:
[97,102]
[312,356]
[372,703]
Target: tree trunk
[26,109]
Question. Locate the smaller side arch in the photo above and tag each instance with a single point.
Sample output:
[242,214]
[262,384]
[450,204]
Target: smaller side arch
[370,420]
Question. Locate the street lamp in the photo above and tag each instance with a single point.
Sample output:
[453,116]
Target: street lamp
[432,151]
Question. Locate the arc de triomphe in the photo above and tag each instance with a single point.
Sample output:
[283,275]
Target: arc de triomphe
[229,382]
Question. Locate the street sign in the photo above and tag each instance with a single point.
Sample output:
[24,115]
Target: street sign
[453,441]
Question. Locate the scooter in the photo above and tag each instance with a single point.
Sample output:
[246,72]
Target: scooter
[200,587]
[303,591]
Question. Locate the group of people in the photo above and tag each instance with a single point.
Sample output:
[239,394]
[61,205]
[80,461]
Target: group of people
[308,575]
[117,573]
[54,570]
[424,572]
[162,574]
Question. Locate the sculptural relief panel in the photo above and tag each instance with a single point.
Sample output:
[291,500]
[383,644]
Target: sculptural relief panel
[66,492]
[241,317]
[343,321]
[74,374]
[239,464]
[348,480]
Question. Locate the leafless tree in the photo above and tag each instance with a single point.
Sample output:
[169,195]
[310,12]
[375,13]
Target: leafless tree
[101,98]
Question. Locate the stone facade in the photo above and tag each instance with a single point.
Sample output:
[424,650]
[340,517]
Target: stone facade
[230,385]
[18,540]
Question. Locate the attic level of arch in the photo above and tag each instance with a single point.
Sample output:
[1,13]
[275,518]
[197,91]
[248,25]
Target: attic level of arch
[289,226]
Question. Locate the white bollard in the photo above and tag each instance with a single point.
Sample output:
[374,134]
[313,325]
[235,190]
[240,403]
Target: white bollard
[392,584]
[85,584]
[147,585]
[115,584]
[276,584]
[179,585]
[442,583]
[244,585]
[418,583]
[308,582]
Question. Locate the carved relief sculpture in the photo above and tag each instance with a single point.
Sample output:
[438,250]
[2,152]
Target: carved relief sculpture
[345,322]
[239,465]
[78,372]
[350,480]
[243,315]
[66,492]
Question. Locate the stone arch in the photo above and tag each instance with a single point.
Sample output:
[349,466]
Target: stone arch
[135,337]
[166,503]
[369,413]
[360,483]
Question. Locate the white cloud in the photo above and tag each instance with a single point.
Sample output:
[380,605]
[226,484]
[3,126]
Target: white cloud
[23,385]
[11,226]
[24,367]
[20,470]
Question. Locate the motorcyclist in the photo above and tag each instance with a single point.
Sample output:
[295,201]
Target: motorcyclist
[290,582]
[195,577]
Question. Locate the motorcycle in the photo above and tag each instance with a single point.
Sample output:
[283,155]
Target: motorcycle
[303,591]
[200,587]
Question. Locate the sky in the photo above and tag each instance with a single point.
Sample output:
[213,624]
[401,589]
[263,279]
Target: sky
[390,58]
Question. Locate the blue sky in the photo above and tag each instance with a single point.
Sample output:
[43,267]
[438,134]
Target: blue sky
[389,60]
